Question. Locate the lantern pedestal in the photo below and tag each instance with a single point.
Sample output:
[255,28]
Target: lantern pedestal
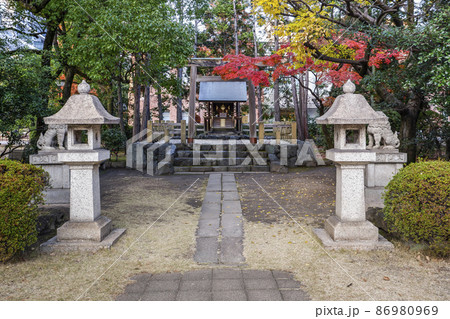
[379,173]
[349,227]
[86,229]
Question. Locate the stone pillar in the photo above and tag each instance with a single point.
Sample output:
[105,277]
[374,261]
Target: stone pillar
[379,173]
[349,227]
[59,193]
[350,192]
[85,186]
[261,133]
[183,131]
[350,223]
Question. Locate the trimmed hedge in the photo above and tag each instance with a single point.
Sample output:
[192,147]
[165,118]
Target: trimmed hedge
[417,204]
[21,187]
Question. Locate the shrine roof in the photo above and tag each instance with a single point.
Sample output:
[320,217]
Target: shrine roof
[223,91]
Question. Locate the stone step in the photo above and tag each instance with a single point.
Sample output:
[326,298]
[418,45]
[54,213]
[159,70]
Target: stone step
[220,154]
[239,147]
[189,161]
[207,169]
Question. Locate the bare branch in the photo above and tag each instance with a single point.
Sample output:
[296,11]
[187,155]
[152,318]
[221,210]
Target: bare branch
[321,56]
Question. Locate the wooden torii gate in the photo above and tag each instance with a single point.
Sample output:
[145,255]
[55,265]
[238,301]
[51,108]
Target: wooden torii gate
[211,63]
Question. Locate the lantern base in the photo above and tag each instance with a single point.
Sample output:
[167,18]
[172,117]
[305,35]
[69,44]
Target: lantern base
[330,244]
[92,231]
[55,246]
[350,230]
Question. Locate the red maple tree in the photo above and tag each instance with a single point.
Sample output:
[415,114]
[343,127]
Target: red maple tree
[264,70]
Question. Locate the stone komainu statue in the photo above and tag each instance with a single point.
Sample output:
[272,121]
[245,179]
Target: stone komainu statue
[381,135]
[46,141]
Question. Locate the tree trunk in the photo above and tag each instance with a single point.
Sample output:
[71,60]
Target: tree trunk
[69,73]
[146,110]
[179,97]
[447,149]
[408,130]
[409,114]
[110,100]
[120,105]
[329,140]
[260,109]
[236,40]
[410,11]
[192,103]
[276,87]
[137,103]
[304,105]
[47,77]
[196,33]
[160,106]
[296,109]
[252,111]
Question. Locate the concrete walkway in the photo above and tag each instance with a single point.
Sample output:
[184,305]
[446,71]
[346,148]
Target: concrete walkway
[220,231]
[215,284]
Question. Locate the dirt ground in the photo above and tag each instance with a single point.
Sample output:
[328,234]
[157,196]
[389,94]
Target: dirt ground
[159,238]
[281,212]
[161,216]
[307,194]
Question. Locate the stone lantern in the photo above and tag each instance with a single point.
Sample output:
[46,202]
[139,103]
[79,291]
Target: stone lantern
[87,229]
[348,228]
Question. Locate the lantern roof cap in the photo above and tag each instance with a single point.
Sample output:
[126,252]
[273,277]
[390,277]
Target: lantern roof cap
[82,108]
[350,108]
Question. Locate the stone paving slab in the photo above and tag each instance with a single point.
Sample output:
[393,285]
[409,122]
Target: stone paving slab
[206,251]
[203,274]
[225,273]
[227,196]
[160,296]
[194,296]
[214,188]
[231,207]
[233,232]
[257,274]
[210,215]
[231,250]
[260,284]
[212,207]
[212,181]
[287,283]
[220,223]
[212,197]
[294,295]
[196,285]
[208,227]
[230,295]
[229,187]
[162,285]
[228,178]
[227,284]
[264,295]
[219,284]
[231,220]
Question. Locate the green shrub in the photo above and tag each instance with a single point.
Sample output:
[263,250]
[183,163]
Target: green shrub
[21,187]
[114,140]
[417,204]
